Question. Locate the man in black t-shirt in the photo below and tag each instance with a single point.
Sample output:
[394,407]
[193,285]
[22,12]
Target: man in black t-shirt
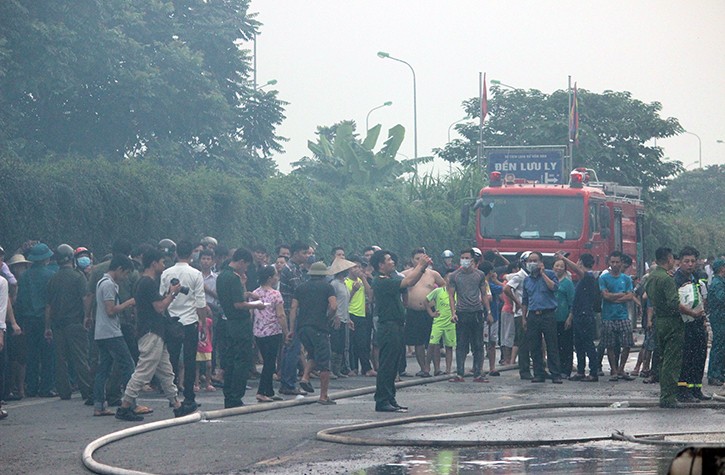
[153,355]
[313,306]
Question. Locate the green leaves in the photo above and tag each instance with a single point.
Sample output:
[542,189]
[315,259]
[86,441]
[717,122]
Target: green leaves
[125,79]
[341,159]
[614,131]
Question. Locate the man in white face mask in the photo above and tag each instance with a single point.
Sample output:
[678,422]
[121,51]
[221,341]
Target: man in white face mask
[467,291]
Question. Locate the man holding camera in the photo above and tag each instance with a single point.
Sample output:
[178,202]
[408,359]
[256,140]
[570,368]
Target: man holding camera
[186,310]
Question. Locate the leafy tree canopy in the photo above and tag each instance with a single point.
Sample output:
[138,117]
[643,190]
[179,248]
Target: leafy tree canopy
[128,79]
[341,159]
[614,130]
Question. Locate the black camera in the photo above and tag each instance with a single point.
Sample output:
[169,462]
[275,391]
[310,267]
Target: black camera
[183,290]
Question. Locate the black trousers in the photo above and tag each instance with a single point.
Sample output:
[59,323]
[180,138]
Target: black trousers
[469,334]
[337,339]
[190,342]
[585,329]
[565,338]
[536,327]
[694,354]
[361,343]
[238,359]
[268,347]
[390,342]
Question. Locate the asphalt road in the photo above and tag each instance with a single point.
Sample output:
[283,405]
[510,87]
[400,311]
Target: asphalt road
[47,436]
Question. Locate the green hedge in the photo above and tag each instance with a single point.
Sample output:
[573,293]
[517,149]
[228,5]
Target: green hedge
[91,203]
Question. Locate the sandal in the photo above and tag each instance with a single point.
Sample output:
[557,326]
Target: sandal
[634,373]
[614,377]
[141,410]
[102,413]
[590,379]
[457,379]
[3,414]
[438,373]
[210,388]
[577,377]
[263,398]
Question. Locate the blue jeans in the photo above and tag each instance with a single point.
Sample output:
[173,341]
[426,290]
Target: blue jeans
[290,359]
[111,350]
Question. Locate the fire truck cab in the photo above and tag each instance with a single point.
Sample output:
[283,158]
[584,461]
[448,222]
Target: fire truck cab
[583,216]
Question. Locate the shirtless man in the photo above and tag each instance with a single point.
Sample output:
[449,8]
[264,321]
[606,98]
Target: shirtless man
[418,323]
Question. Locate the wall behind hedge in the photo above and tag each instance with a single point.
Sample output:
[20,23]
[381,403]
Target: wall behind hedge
[91,203]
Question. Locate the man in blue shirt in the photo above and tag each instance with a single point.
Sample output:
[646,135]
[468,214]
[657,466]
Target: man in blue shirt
[616,291]
[538,308]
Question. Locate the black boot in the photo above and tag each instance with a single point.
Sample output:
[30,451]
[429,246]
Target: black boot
[699,395]
[685,395]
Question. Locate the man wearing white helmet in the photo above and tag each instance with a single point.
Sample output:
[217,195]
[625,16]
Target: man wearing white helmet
[209,243]
[447,266]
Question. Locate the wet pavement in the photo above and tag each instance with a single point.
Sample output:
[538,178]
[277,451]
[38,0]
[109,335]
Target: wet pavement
[283,441]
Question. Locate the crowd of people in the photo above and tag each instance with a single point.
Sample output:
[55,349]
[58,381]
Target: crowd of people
[190,317]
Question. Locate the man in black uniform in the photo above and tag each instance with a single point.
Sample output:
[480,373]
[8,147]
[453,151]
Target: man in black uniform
[238,351]
[694,349]
[387,288]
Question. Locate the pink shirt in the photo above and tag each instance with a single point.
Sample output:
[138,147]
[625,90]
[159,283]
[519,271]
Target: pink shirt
[508,305]
[265,320]
[204,345]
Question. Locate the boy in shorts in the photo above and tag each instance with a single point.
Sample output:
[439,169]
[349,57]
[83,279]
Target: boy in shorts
[444,328]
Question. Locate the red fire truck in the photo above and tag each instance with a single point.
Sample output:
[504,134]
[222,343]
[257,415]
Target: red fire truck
[586,215]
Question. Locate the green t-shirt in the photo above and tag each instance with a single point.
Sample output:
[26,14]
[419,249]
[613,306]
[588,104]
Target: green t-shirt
[564,299]
[230,290]
[387,292]
[442,304]
[357,300]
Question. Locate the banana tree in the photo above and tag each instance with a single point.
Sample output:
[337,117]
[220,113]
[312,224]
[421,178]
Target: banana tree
[340,158]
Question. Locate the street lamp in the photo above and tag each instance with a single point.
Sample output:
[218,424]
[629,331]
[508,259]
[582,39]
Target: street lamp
[451,126]
[691,164]
[699,141]
[384,55]
[496,82]
[271,82]
[367,117]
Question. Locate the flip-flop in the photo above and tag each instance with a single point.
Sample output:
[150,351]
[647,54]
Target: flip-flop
[141,410]
[104,412]
[614,378]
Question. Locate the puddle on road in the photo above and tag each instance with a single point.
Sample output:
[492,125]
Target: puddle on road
[592,458]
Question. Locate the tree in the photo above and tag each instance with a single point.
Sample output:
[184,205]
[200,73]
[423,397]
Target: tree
[341,159]
[614,131]
[126,79]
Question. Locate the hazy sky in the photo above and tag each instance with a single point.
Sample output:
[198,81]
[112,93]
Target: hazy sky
[323,55]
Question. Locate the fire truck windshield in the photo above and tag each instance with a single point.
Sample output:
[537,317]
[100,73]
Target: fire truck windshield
[532,217]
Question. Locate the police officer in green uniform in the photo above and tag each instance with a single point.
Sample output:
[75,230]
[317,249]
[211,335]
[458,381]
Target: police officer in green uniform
[387,288]
[670,329]
[233,298]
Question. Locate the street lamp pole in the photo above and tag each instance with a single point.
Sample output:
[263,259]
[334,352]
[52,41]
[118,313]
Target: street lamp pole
[367,117]
[271,82]
[384,55]
[496,82]
[699,141]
